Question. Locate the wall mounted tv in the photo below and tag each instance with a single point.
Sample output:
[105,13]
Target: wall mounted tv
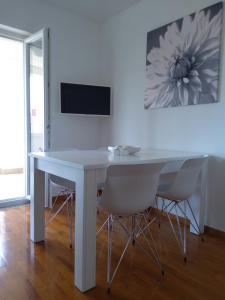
[85,99]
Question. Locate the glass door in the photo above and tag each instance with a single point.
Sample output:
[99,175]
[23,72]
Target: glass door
[36,74]
[12,115]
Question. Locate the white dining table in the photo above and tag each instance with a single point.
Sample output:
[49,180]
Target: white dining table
[87,168]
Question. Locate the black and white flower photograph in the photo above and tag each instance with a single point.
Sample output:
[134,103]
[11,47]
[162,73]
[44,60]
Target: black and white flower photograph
[182,61]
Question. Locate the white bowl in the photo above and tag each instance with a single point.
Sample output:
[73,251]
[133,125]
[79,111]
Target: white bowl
[123,150]
[132,150]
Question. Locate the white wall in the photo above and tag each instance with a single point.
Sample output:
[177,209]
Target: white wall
[199,128]
[74,57]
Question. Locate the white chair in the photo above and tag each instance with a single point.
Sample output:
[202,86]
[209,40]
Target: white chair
[129,190]
[177,191]
[66,189]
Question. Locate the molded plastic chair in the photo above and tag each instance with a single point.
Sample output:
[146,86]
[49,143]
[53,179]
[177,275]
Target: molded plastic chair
[129,190]
[180,189]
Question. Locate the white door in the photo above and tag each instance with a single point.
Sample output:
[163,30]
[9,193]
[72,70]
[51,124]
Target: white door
[37,102]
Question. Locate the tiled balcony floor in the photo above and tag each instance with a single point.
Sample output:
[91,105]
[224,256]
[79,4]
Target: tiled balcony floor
[12,186]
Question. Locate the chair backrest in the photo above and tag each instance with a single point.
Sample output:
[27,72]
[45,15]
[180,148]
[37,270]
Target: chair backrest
[62,183]
[130,188]
[186,181]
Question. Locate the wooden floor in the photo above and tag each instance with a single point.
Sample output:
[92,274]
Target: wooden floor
[45,270]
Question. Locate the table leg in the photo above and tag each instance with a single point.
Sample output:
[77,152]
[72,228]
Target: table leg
[85,230]
[199,201]
[37,187]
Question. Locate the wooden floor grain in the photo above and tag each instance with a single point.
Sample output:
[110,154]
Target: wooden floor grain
[45,270]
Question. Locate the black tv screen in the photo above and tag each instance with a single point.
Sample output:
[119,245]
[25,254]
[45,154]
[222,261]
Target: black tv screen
[85,99]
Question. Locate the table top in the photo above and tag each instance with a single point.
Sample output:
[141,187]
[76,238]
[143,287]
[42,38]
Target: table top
[95,159]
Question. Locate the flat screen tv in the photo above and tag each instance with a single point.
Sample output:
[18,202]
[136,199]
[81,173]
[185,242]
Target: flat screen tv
[85,99]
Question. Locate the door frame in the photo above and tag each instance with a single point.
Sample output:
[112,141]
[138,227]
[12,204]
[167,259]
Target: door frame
[42,34]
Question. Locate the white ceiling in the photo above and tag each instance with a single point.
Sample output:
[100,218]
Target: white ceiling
[97,10]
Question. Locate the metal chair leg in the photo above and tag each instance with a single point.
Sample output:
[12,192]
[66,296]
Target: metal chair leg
[109,259]
[132,236]
[52,207]
[158,211]
[179,242]
[153,253]
[55,214]
[70,216]
[196,223]
[111,276]
[133,229]
[185,234]
[69,205]
[102,226]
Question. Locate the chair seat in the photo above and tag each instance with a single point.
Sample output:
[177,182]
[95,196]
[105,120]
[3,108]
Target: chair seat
[164,192]
[101,207]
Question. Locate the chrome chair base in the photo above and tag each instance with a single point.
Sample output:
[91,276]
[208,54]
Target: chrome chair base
[181,235]
[68,202]
[137,230]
